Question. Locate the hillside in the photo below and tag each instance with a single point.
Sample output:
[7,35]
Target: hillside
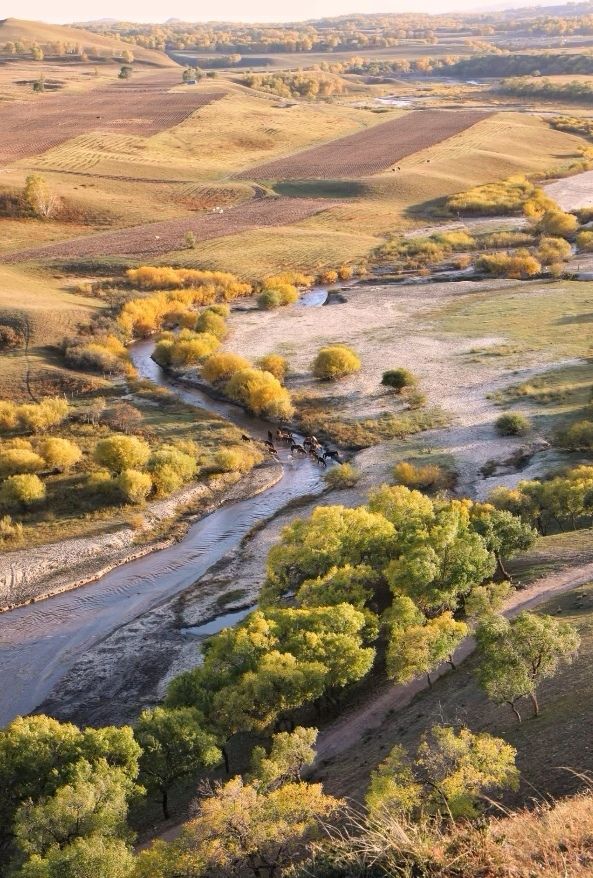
[28,32]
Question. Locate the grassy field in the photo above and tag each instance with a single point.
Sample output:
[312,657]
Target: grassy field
[547,746]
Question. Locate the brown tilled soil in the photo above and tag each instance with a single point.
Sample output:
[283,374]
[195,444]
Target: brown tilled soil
[153,239]
[144,107]
[370,151]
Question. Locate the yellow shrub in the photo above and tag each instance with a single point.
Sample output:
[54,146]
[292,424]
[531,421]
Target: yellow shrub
[275,364]
[222,365]
[193,348]
[260,392]
[335,361]
[236,459]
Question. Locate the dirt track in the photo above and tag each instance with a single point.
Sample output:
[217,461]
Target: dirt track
[143,107]
[154,239]
[370,151]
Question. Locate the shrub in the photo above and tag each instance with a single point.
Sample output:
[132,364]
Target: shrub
[398,379]
[344,272]
[344,475]
[118,453]
[430,477]
[213,323]
[268,299]
[162,351]
[329,276]
[585,242]
[134,485]
[513,424]
[553,250]
[22,491]
[220,308]
[8,416]
[558,223]
[19,460]
[124,418]
[222,365]
[171,468]
[275,364]
[501,198]
[60,454]
[93,357]
[10,338]
[577,437]
[193,348]
[236,459]
[517,265]
[41,416]
[260,392]
[10,531]
[335,361]
[166,480]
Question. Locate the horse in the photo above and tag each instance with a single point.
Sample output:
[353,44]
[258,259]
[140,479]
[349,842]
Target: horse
[270,436]
[246,438]
[332,455]
[319,459]
[270,445]
[298,448]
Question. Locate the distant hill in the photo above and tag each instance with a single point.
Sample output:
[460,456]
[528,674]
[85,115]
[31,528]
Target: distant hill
[15,30]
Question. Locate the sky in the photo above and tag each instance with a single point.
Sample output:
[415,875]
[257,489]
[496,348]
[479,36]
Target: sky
[64,11]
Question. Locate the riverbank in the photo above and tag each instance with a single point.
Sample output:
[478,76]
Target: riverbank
[29,575]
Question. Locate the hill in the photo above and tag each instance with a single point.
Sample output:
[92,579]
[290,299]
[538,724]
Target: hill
[16,30]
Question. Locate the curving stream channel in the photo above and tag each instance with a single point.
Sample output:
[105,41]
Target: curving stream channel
[40,642]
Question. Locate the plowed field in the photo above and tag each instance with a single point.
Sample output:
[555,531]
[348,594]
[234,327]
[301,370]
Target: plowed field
[32,127]
[154,239]
[370,151]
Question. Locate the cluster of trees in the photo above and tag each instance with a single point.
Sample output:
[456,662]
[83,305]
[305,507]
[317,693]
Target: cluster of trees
[574,125]
[501,64]
[503,198]
[555,504]
[63,48]
[100,352]
[300,84]
[577,91]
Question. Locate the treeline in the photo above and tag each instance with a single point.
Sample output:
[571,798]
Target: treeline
[505,64]
[579,92]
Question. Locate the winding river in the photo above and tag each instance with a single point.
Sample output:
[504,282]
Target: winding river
[40,642]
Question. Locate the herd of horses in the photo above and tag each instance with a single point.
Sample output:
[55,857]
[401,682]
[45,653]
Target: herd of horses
[309,447]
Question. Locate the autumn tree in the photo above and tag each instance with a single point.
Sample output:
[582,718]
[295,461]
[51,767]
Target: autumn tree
[174,746]
[94,857]
[22,491]
[118,453]
[517,656]
[60,454]
[419,647]
[39,199]
[452,769]
[289,753]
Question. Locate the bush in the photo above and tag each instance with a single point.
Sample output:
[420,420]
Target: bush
[193,348]
[10,531]
[577,437]
[222,365]
[162,351]
[344,272]
[8,416]
[558,223]
[236,460]
[275,364]
[513,424]
[19,460]
[10,338]
[553,250]
[118,453]
[329,276]
[260,392]
[344,475]
[585,242]
[60,454]
[335,361]
[398,379]
[501,198]
[430,477]
[170,469]
[268,299]
[22,491]
[134,485]
[221,308]
[518,265]
[213,323]
[41,416]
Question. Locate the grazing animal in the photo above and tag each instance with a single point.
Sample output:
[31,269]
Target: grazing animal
[269,445]
[245,438]
[319,459]
[270,436]
[298,448]
[284,436]
[333,455]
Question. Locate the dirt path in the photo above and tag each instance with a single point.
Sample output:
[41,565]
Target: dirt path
[346,732]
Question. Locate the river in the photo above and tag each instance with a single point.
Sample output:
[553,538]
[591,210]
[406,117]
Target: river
[40,642]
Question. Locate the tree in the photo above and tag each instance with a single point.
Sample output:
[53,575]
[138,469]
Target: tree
[124,418]
[451,771]
[503,533]
[557,223]
[420,647]
[22,491]
[40,417]
[60,454]
[118,453]
[125,72]
[170,468]
[222,366]
[335,361]
[38,197]
[517,656]
[289,754]
[95,857]
[93,803]
[275,364]
[174,746]
[213,323]
[344,475]
[242,830]
[19,460]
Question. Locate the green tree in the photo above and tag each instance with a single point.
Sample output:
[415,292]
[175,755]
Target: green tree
[174,746]
[118,453]
[450,773]
[289,753]
[397,379]
[517,656]
[503,533]
[420,647]
[94,857]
